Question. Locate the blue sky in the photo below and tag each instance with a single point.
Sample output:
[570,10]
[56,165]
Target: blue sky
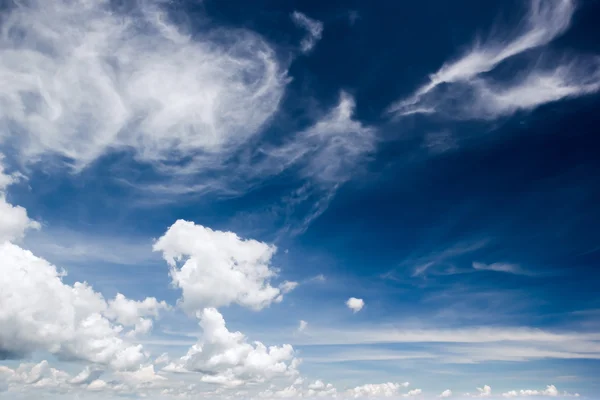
[397,199]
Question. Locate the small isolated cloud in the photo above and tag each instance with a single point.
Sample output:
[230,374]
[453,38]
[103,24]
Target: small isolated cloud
[461,89]
[355,304]
[302,326]
[446,393]
[314,30]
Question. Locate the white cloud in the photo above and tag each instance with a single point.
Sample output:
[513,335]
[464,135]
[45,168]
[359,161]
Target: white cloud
[226,358]
[288,286]
[319,389]
[501,267]
[414,392]
[43,313]
[86,376]
[82,79]
[14,221]
[326,154]
[459,89]
[220,268]
[131,313]
[355,304]
[485,391]
[550,391]
[314,30]
[302,326]
[446,393]
[374,390]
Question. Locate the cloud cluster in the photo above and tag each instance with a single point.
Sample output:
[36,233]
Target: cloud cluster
[387,389]
[84,78]
[41,312]
[215,268]
[314,30]
[41,377]
[550,391]
[464,89]
[226,358]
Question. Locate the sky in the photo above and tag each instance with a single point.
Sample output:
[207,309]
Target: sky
[299,199]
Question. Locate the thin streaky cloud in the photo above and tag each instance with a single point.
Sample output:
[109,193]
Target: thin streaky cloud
[469,94]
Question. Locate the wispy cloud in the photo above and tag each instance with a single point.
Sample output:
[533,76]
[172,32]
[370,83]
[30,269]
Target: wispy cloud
[501,267]
[82,79]
[463,89]
[314,30]
[326,154]
[421,265]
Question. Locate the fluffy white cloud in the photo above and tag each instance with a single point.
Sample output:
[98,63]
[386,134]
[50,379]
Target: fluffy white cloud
[550,391]
[355,304]
[412,393]
[460,90]
[226,358]
[314,30]
[41,312]
[320,389]
[82,78]
[131,313]
[446,393]
[382,389]
[485,391]
[220,268]
[14,220]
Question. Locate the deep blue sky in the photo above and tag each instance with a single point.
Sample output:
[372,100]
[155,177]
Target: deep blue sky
[480,213]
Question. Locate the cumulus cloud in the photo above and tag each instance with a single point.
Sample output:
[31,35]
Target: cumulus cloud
[446,393]
[412,393]
[463,89]
[319,389]
[550,391]
[220,268]
[226,358]
[131,313]
[41,312]
[313,28]
[14,221]
[485,391]
[381,389]
[40,377]
[83,78]
[355,304]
